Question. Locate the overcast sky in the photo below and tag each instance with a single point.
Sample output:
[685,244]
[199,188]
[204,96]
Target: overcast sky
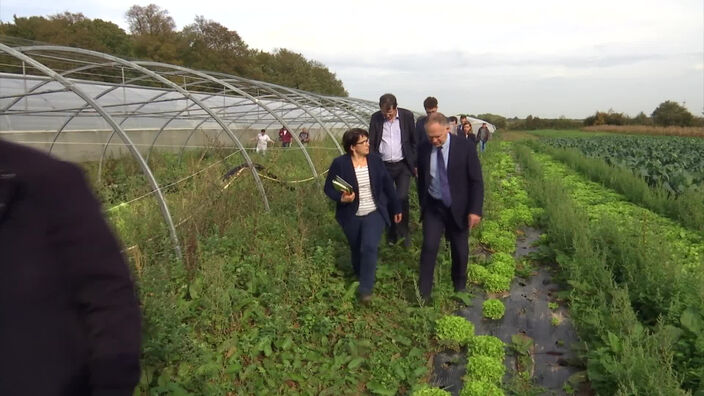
[545,57]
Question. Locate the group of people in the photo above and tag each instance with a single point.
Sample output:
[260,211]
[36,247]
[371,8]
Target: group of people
[379,164]
[285,137]
[463,128]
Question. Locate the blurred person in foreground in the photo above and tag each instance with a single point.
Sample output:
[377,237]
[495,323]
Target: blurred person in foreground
[364,212]
[69,317]
[392,136]
[451,196]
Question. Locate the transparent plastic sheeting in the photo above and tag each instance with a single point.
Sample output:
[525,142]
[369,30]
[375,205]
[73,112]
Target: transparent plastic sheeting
[79,104]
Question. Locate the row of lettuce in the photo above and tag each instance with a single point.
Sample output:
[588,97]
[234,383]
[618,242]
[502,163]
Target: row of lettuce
[637,295]
[507,208]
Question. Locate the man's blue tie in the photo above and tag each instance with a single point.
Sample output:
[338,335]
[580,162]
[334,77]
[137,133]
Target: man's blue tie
[442,178]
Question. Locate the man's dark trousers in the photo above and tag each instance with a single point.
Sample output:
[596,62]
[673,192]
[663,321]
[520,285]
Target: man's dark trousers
[401,176]
[363,234]
[436,220]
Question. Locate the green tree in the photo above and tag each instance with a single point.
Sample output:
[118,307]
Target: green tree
[671,113]
[154,36]
[212,46]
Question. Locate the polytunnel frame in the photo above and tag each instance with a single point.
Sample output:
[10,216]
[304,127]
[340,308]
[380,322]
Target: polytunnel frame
[254,100]
[299,99]
[19,54]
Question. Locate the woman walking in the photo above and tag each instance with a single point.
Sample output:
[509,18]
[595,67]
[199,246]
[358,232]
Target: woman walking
[362,212]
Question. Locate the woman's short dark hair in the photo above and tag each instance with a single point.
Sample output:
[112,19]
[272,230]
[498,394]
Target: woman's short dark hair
[350,138]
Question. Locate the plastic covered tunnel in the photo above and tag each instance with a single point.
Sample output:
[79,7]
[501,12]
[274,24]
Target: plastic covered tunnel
[101,110]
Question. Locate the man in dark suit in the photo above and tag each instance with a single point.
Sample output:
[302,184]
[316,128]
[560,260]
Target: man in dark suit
[69,317]
[451,195]
[430,104]
[392,135]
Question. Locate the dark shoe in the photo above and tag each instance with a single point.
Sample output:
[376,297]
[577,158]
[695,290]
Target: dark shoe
[407,242]
[426,300]
[365,299]
[460,290]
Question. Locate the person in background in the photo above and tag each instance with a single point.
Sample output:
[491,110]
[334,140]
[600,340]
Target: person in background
[453,125]
[262,142]
[285,137]
[450,201]
[364,212]
[463,120]
[392,136]
[468,134]
[69,316]
[483,136]
[430,104]
[304,137]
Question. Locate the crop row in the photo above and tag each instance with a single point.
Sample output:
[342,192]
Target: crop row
[675,163]
[636,277]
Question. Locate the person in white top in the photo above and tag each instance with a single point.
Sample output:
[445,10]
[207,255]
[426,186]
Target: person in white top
[262,140]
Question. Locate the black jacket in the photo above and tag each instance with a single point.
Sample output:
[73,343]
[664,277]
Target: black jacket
[69,317]
[383,190]
[464,175]
[408,136]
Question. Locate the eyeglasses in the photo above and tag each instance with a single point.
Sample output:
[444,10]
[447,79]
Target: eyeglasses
[362,142]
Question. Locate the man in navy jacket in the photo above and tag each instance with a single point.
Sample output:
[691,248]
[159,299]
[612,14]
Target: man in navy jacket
[392,136]
[451,195]
[69,317]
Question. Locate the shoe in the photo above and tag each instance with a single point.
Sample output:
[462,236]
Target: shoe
[407,242]
[426,300]
[460,290]
[365,299]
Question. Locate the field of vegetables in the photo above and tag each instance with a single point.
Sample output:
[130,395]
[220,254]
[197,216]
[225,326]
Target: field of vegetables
[264,301]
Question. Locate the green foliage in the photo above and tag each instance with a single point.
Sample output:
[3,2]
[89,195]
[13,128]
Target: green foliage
[203,45]
[493,309]
[481,388]
[675,163]
[485,368]
[495,283]
[485,345]
[454,330]
[426,390]
[672,113]
[477,273]
[632,273]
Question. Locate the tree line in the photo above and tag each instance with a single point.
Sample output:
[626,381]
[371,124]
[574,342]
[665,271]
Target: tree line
[668,113]
[203,45]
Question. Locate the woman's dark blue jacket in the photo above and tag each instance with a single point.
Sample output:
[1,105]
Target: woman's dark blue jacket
[383,190]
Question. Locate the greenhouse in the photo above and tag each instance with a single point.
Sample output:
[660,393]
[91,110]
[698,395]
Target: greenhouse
[100,110]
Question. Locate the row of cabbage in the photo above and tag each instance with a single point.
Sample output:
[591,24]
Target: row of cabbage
[675,163]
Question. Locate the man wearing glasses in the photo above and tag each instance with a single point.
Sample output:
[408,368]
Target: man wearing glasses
[392,136]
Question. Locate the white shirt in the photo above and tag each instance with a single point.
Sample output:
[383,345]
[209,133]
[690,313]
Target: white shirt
[366,200]
[262,140]
[434,187]
[390,147]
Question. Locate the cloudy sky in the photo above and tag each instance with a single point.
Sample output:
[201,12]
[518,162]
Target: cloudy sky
[548,58]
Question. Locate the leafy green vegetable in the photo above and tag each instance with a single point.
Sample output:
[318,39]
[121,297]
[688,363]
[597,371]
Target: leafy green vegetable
[485,368]
[493,309]
[454,330]
[481,388]
[486,345]
[426,390]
